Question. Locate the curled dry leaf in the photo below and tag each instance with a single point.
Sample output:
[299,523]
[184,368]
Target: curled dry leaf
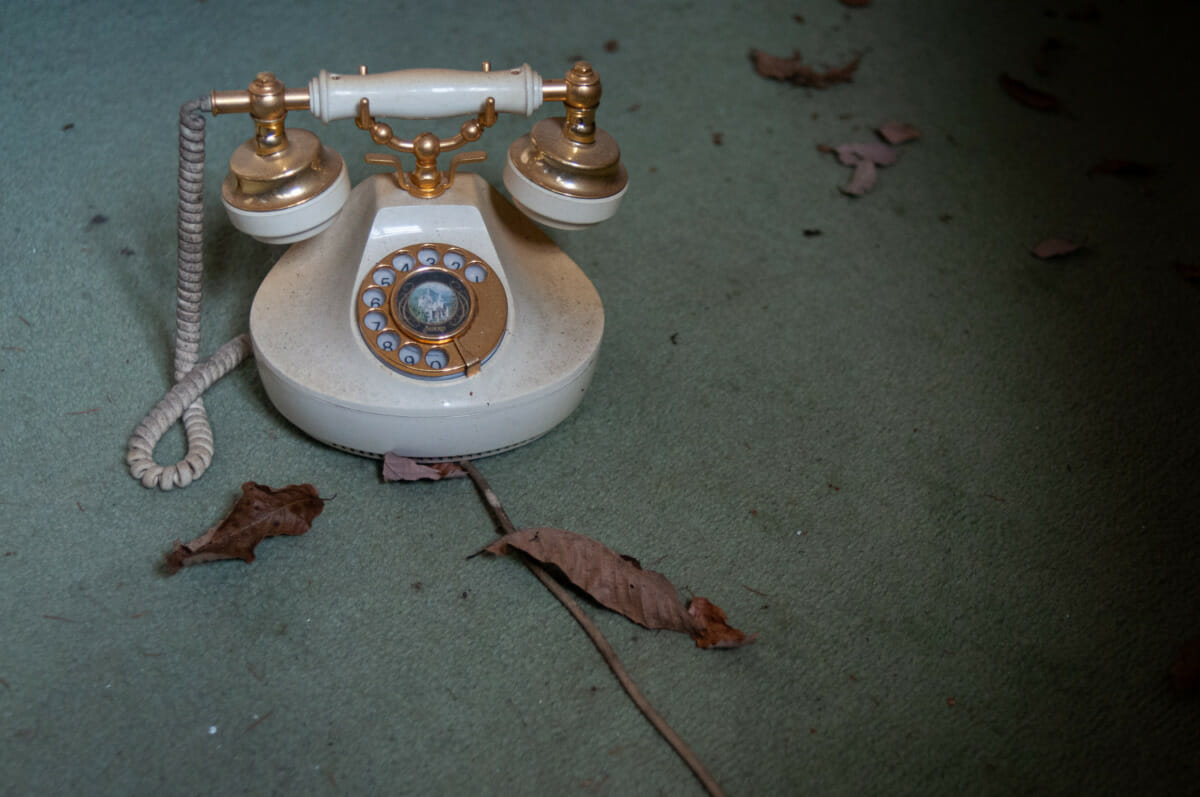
[260,512]
[878,153]
[863,179]
[712,630]
[798,73]
[1055,247]
[621,584]
[864,157]
[403,469]
[898,132]
[1027,95]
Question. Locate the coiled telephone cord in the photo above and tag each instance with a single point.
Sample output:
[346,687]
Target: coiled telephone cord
[191,378]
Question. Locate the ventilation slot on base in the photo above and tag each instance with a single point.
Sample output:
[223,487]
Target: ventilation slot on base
[428,460]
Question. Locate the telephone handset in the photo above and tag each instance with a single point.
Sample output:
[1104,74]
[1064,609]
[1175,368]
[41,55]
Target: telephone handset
[419,313]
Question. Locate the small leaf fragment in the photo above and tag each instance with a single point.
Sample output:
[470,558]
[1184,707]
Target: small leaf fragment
[1027,95]
[800,74]
[403,469]
[863,179]
[874,151]
[864,157]
[620,584]
[260,512]
[898,132]
[712,629]
[1055,247]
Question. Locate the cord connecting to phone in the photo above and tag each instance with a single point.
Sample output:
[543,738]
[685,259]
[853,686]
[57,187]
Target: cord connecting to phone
[184,400]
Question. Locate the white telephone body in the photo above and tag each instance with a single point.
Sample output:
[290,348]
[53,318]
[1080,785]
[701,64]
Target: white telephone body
[419,313]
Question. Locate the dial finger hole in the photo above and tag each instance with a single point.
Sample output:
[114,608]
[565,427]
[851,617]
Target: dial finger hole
[373,297]
[409,355]
[436,358]
[374,321]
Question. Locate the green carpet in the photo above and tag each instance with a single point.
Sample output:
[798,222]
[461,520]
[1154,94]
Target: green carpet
[950,485]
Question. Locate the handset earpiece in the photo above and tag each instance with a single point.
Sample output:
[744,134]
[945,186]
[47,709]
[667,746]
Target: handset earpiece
[283,185]
[566,172]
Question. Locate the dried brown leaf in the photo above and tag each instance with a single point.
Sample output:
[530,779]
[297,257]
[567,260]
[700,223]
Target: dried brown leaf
[877,152]
[898,132]
[712,629]
[1027,95]
[864,157]
[1056,247]
[775,67]
[620,583]
[260,512]
[403,469]
[863,179]
[798,73]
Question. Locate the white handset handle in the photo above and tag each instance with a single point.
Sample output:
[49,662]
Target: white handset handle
[425,93]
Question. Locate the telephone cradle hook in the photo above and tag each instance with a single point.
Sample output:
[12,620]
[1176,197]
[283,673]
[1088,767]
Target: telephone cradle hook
[426,180]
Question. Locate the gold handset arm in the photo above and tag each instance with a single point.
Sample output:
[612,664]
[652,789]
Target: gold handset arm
[259,167]
[426,179]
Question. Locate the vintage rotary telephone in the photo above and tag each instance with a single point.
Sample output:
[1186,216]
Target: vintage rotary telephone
[419,313]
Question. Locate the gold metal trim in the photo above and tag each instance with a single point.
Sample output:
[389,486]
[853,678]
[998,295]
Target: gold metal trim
[570,155]
[554,90]
[282,179]
[426,180]
[468,346]
[549,158]
[239,101]
[274,170]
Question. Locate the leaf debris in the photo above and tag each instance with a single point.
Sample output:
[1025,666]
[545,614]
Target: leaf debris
[794,71]
[619,583]
[602,645]
[260,512]
[1027,95]
[864,158]
[1055,247]
[898,132]
[403,469]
